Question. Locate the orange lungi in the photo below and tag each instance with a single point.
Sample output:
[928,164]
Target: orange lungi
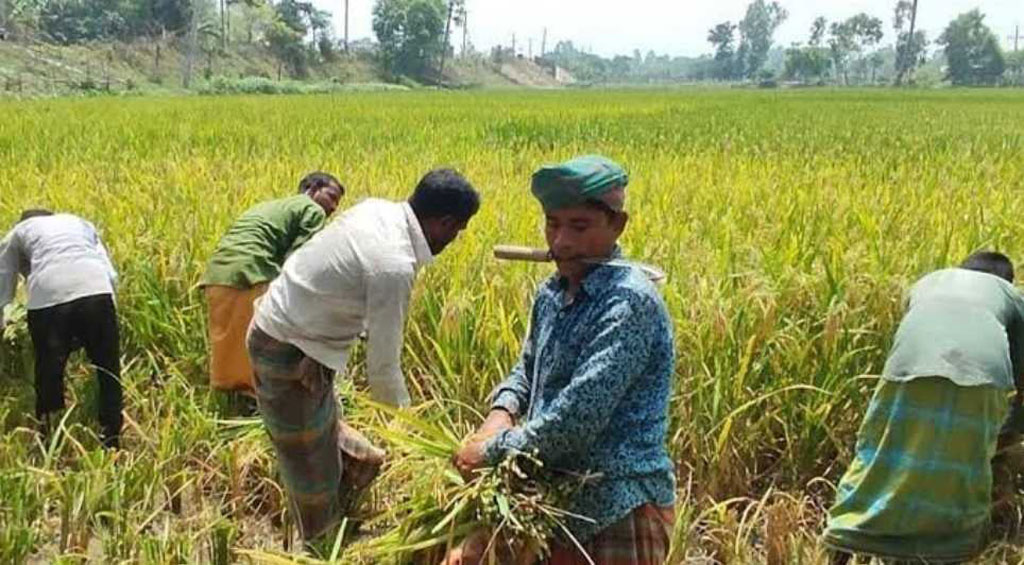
[230,311]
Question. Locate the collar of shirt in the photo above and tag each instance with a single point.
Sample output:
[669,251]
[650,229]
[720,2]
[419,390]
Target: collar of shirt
[597,278]
[420,246]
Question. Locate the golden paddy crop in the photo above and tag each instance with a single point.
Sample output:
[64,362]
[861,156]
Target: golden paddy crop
[789,224]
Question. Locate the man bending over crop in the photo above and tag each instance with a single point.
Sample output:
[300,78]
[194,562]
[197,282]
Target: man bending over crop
[70,304]
[591,389]
[354,276]
[920,484]
[247,258]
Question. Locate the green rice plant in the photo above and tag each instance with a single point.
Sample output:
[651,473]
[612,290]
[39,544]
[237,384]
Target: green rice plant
[518,504]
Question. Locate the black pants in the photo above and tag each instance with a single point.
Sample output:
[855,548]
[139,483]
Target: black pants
[89,322]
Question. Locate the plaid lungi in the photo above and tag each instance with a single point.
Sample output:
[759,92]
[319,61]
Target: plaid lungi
[641,538]
[920,484]
[230,312]
[325,464]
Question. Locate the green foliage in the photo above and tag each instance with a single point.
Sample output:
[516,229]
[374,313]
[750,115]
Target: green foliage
[644,69]
[849,39]
[721,37]
[756,31]
[972,51]
[259,85]
[410,33]
[77,21]
[807,64]
[286,36]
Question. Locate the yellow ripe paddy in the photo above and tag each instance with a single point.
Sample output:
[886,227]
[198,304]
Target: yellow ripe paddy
[789,222]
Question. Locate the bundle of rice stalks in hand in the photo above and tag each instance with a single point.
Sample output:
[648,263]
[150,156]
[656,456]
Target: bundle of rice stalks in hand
[513,509]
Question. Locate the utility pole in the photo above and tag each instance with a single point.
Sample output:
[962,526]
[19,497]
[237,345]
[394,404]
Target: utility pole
[465,30]
[346,26]
[544,43]
[223,24]
[193,33]
[1015,37]
[447,31]
[529,52]
[513,45]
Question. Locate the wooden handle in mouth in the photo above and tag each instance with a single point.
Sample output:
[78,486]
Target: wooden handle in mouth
[519,253]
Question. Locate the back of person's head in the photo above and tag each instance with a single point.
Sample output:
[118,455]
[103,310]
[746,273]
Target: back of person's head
[34,213]
[990,262]
[318,179]
[444,192]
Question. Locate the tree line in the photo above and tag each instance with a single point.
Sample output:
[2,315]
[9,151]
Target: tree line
[849,51]
[410,33]
[414,38]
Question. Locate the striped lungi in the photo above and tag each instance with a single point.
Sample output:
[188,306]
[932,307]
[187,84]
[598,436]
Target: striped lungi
[920,484]
[641,538]
[325,464]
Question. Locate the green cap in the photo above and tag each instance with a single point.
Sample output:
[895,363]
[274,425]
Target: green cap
[590,177]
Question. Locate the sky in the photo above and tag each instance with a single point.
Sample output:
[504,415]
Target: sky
[673,27]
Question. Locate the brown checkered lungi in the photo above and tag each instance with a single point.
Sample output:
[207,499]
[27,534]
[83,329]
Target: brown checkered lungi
[325,464]
[641,538]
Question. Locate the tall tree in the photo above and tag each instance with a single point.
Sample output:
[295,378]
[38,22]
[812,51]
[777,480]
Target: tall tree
[810,63]
[972,51]
[722,37]
[910,43]
[756,31]
[817,31]
[286,35]
[850,38]
[410,33]
[456,12]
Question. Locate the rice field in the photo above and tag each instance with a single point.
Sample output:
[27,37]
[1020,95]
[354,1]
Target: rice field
[789,223]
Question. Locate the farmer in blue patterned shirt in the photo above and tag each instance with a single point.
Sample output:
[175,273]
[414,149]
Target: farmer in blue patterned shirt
[591,389]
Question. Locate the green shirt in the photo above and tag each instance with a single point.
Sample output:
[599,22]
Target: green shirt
[964,325]
[254,248]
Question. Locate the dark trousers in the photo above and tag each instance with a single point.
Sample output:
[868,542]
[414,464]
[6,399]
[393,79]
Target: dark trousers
[57,331]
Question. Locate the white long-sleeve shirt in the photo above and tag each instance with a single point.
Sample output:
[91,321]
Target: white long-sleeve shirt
[355,275]
[62,258]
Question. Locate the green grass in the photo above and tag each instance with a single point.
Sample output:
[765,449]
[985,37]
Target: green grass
[790,224]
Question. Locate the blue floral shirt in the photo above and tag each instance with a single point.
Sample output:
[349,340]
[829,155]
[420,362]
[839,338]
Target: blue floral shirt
[590,393]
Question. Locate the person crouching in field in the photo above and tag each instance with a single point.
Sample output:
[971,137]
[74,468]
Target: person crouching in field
[590,392]
[248,257]
[354,276]
[71,284]
[920,484]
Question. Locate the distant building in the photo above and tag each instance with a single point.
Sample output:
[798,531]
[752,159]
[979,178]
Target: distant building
[563,76]
[560,75]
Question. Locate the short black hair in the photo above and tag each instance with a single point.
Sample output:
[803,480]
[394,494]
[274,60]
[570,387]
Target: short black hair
[444,192]
[34,213]
[318,179]
[990,262]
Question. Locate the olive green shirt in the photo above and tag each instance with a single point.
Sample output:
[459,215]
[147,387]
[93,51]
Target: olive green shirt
[963,325]
[255,247]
